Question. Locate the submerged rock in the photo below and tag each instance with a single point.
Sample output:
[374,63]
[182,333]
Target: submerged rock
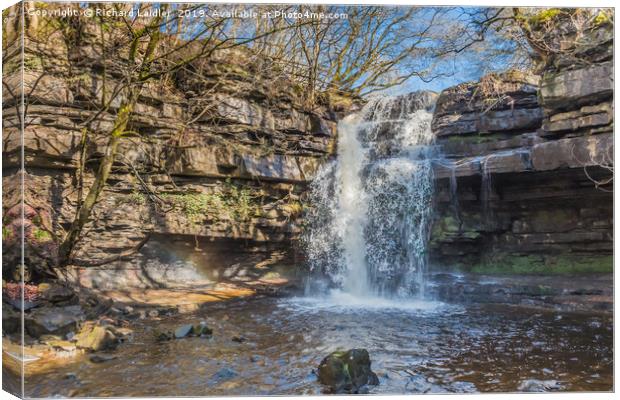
[347,372]
[100,358]
[192,330]
[222,375]
[163,336]
[202,330]
[238,339]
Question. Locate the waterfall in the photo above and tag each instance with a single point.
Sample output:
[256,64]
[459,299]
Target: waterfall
[369,223]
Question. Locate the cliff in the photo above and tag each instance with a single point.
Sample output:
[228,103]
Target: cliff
[527,181]
[218,156]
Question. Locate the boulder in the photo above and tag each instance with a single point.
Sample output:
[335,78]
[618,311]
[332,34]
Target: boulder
[53,320]
[347,372]
[183,331]
[11,320]
[202,330]
[95,338]
[55,293]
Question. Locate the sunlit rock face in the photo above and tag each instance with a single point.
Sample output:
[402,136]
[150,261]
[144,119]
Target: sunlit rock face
[236,174]
[526,182]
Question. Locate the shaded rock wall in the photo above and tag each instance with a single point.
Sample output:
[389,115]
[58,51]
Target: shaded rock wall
[526,184]
[224,148]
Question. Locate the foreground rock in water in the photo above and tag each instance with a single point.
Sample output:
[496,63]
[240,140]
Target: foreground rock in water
[95,338]
[347,372]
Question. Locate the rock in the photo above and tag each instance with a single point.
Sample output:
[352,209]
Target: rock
[11,320]
[183,331]
[101,358]
[163,336]
[573,88]
[122,334]
[62,345]
[497,103]
[347,372]
[95,338]
[536,385]
[55,293]
[222,375]
[238,339]
[256,358]
[53,320]
[272,167]
[202,330]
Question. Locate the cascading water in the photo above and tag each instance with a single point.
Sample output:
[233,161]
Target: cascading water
[371,206]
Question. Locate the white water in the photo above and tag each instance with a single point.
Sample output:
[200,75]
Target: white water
[369,225]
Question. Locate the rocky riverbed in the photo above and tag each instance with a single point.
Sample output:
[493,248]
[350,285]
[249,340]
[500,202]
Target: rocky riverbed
[511,334]
[274,346]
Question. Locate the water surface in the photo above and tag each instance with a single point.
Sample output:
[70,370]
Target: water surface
[415,348]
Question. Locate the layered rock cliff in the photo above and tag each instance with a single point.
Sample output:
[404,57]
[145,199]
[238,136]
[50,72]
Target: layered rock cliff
[527,180]
[212,172]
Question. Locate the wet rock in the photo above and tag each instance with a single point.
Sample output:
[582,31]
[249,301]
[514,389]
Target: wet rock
[238,339]
[122,334]
[347,372]
[56,320]
[101,358]
[255,358]
[71,376]
[161,336]
[62,345]
[183,331]
[222,375]
[95,338]
[536,385]
[202,330]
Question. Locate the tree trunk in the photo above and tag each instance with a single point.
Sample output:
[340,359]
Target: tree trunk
[72,236]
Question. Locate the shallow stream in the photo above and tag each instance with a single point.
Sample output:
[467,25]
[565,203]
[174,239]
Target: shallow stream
[414,347]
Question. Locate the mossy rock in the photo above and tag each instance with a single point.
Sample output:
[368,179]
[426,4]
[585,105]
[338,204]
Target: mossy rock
[347,372]
[96,338]
[544,265]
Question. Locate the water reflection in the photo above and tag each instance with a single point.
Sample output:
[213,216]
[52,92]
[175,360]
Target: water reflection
[441,349]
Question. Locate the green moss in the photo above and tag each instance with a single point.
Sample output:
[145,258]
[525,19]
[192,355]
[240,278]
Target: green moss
[6,233]
[32,64]
[601,18]
[544,16]
[539,265]
[232,202]
[41,236]
[475,139]
[137,198]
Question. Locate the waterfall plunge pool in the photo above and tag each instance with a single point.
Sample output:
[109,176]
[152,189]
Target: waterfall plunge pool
[428,347]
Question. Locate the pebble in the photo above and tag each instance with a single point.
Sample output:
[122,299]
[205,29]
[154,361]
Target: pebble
[100,358]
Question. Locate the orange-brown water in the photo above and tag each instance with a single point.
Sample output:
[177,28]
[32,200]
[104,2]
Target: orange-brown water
[442,349]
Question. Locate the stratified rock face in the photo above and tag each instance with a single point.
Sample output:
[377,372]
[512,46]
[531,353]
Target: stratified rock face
[498,103]
[526,182]
[226,152]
